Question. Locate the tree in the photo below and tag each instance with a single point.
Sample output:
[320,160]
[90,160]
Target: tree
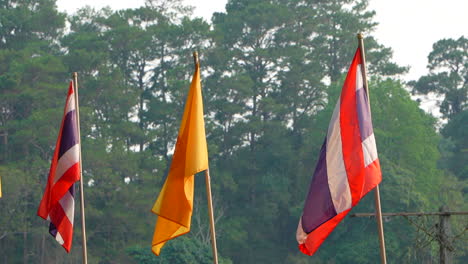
[448,76]
[27,22]
[456,158]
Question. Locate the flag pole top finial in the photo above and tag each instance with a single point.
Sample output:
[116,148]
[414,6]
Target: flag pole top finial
[360,35]
[195,57]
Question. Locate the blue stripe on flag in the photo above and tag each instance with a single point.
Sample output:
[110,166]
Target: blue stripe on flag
[319,206]
[364,115]
[69,133]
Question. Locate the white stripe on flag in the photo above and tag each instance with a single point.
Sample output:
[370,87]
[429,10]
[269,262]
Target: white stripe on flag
[369,149]
[68,205]
[67,160]
[337,177]
[59,238]
[359,81]
[301,236]
[70,104]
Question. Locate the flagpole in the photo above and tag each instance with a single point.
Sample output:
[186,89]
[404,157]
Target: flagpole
[211,215]
[208,195]
[378,209]
[83,222]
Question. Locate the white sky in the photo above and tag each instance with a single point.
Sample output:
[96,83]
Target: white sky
[409,27]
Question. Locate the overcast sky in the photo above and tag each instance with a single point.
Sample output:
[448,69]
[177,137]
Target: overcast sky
[409,27]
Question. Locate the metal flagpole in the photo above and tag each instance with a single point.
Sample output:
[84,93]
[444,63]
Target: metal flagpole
[83,222]
[208,195]
[378,210]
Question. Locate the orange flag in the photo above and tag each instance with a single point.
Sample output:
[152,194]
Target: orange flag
[175,202]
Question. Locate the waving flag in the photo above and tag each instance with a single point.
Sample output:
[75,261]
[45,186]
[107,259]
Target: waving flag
[58,204]
[175,202]
[348,166]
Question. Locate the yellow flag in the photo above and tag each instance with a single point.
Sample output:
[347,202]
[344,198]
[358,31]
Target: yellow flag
[0,187]
[175,202]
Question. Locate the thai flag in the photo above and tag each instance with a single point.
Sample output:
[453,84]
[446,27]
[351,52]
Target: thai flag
[58,204]
[347,168]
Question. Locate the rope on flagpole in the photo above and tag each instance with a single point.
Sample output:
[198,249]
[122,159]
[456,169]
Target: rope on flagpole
[83,221]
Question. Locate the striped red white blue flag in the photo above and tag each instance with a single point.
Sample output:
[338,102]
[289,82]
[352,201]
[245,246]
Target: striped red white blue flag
[58,203]
[348,166]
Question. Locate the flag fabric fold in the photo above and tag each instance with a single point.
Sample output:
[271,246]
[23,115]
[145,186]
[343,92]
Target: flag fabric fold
[175,202]
[348,166]
[58,204]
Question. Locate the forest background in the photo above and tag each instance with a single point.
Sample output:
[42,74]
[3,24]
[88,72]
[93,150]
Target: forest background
[271,74]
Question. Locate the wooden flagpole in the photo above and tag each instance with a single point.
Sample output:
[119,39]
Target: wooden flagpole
[208,194]
[378,209]
[83,222]
[211,215]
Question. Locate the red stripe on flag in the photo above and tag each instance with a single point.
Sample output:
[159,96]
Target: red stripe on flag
[350,134]
[61,187]
[60,220]
[373,176]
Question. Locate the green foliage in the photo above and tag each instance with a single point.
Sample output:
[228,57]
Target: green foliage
[180,251]
[456,133]
[406,143]
[29,23]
